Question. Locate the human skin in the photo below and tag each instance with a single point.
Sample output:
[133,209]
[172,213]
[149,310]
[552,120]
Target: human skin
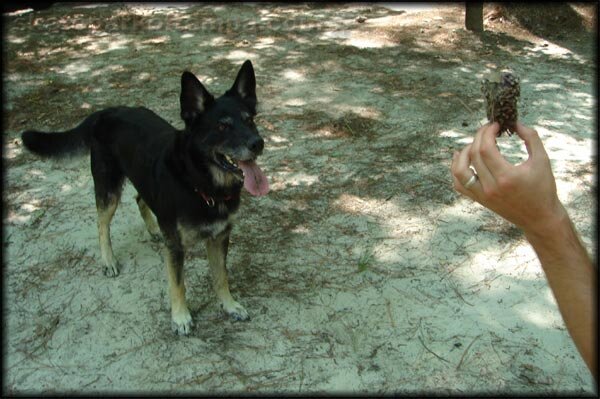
[526,195]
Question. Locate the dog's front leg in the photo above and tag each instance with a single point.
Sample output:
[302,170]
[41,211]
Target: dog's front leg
[181,319]
[217,254]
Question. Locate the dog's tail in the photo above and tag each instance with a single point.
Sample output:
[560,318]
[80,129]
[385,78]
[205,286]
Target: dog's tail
[59,144]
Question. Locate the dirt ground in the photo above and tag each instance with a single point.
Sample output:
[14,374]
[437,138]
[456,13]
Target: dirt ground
[363,270]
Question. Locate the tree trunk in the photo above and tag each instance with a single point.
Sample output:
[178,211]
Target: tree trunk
[474,16]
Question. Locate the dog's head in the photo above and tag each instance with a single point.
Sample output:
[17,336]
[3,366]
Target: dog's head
[222,130]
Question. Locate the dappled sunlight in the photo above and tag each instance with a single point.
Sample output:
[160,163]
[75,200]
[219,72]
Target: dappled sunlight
[392,233]
[295,102]
[266,43]
[545,86]
[144,76]
[65,188]
[283,179]
[552,123]
[107,70]
[217,41]
[356,39]
[158,40]
[460,138]
[294,76]
[37,173]
[474,231]
[487,263]
[564,148]
[75,68]
[301,229]
[15,218]
[541,315]
[24,213]
[555,51]
[360,110]
[278,139]
[241,56]
[568,189]
[34,206]
[12,150]
[108,44]
[15,39]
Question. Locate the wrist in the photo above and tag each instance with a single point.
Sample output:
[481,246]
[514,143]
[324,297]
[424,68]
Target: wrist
[549,227]
[556,238]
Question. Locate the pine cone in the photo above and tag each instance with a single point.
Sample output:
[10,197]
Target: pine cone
[501,93]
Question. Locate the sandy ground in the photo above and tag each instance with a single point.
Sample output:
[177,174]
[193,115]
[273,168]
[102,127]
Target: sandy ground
[363,270]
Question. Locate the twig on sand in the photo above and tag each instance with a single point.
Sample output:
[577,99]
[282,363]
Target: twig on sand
[301,375]
[496,352]
[459,295]
[465,105]
[198,380]
[430,351]
[91,382]
[465,352]
[389,312]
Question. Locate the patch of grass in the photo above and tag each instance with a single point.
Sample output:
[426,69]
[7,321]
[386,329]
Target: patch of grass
[364,262]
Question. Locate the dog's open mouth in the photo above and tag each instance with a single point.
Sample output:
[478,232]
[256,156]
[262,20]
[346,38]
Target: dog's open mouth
[228,164]
[255,181]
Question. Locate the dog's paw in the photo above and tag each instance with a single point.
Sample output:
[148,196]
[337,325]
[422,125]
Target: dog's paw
[182,324]
[111,270]
[236,311]
[156,237]
[155,233]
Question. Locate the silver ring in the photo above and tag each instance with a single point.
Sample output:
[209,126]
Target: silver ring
[471,181]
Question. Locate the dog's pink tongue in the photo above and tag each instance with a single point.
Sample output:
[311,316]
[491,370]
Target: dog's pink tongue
[255,181]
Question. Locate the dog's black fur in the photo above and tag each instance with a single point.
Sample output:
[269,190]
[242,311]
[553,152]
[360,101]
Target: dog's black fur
[185,177]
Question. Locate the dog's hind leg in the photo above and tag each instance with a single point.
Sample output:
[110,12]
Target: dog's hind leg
[108,181]
[217,254]
[149,220]
[106,209]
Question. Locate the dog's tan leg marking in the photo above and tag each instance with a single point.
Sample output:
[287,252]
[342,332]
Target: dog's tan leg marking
[217,252]
[148,217]
[105,215]
[180,315]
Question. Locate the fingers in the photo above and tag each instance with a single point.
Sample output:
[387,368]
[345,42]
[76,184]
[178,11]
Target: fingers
[488,150]
[488,162]
[462,173]
[460,165]
[481,168]
[532,140]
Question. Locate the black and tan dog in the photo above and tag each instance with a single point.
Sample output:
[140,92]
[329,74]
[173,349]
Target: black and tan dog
[189,179]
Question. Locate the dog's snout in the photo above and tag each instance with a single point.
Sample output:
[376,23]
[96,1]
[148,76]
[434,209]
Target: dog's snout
[256,145]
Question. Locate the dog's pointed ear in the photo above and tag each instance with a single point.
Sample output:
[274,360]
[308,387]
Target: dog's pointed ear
[245,85]
[194,98]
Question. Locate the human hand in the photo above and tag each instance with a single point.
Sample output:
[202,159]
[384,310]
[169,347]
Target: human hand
[523,194]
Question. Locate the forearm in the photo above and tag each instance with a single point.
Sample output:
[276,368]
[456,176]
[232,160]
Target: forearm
[572,279]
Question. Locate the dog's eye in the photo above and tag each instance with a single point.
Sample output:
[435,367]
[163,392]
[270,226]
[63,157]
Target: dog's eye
[222,126]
